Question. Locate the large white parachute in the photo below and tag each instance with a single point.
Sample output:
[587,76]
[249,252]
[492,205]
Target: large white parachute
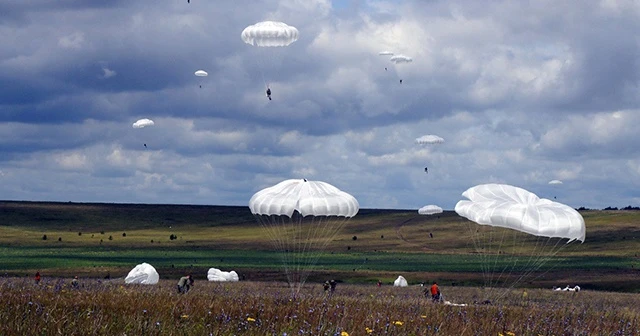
[301,217]
[399,59]
[270,34]
[515,233]
[217,275]
[142,274]
[142,123]
[430,210]
[201,73]
[429,139]
[400,282]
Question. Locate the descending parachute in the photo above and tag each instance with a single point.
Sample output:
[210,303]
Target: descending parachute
[515,232]
[301,217]
[142,274]
[201,74]
[269,37]
[399,60]
[553,182]
[430,210]
[429,139]
[142,123]
[386,53]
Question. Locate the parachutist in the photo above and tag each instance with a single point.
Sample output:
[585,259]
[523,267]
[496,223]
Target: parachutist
[426,170]
[401,81]
[385,69]
[188,1]
[200,86]
[269,93]
[145,145]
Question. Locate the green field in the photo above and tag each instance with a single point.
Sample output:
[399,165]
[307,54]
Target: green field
[99,240]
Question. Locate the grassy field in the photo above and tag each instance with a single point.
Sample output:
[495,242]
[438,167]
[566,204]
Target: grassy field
[265,308]
[99,240]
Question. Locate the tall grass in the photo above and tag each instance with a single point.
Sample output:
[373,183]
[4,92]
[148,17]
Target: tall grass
[256,308]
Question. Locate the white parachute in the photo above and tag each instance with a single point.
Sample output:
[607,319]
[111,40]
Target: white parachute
[142,123]
[386,53]
[400,62]
[429,139]
[400,282]
[269,37]
[301,218]
[399,59]
[142,274]
[515,233]
[430,210]
[217,275]
[555,182]
[201,73]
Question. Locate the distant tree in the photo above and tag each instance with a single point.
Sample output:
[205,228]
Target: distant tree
[59,238]
[381,236]
[173,237]
[124,234]
[44,237]
[355,238]
[110,237]
[102,232]
[79,233]
[629,207]
[152,240]
[610,208]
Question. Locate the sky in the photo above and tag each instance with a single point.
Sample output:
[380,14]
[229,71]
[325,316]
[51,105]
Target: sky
[523,93]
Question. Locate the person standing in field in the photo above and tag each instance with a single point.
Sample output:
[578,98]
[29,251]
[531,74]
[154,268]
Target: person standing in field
[75,282]
[37,278]
[435,292]
[184,284]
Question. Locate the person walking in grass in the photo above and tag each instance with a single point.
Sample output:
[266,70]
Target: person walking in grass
[184,284]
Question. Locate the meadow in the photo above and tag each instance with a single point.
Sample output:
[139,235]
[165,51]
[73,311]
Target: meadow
[102,242]
[101,307]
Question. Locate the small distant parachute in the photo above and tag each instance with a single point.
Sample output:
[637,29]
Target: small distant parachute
[142,123]
[515,233]
[270,34]
[215,274]
[301,217]
[429,139]
[142,274]
[426,170]
[430,210]
[400,282]
[398,59]
[386,53]
[201,73]
[555,182]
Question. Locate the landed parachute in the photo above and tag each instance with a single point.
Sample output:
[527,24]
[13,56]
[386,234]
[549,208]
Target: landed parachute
[429,139]
[515,233]
[217,275]
[142,123]
[301,218]
[430,210]
[143,274]
[400,282]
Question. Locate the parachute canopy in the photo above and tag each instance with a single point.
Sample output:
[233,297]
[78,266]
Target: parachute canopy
[201,73]
[400,282]
[555,182]
[514,208]
[430,210]
[397,59]
[215,274]
[386,53]
[309,198]
[270,34]
[142,274]
[142,123]
[429,139]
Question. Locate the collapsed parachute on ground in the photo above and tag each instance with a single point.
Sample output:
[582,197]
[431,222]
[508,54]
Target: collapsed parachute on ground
[515,233]
[386,53]
[429,139]
[270,34]
[142,274]
[400,282]
[215,274]
[555,182]
[142,123]
[430,210]
[301,218]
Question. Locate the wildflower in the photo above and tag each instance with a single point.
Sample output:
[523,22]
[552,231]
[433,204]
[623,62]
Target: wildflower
[184,316]
[251,319]
[344,333]
[510,333]
[423,316]
[368,330]
[398,323]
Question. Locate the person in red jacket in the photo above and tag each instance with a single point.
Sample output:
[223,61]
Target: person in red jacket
[435,292]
